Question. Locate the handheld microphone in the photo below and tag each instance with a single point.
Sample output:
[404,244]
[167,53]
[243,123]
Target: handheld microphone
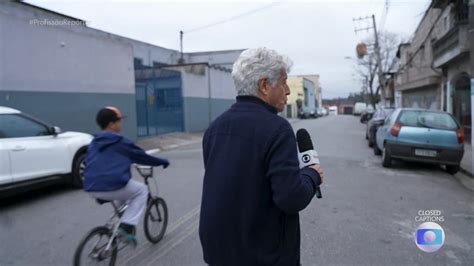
[307,154]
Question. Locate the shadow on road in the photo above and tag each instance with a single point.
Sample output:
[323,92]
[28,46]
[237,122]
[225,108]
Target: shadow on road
[23,198]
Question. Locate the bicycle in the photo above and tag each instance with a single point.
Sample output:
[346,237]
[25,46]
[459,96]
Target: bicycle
[105,249]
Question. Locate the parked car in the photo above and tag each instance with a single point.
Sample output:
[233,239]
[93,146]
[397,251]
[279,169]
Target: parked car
[320,112]
[333,110]
[367,114]
[359,108]
[421,135]
[375,122]
[33,153]
[325,112]
[307,112]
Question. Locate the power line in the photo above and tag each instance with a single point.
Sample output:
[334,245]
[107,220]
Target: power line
[181,33]
[383,18]
[234,17]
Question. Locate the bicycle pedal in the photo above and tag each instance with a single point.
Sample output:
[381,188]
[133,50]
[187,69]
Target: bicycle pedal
[134,243]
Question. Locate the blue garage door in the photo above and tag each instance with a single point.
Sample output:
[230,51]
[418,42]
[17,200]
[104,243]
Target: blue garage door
[159,101]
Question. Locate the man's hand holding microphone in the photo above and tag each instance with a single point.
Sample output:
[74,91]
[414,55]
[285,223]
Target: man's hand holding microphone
[308,156]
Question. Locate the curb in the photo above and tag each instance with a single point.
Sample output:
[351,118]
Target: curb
[466,172]
[172,146]
[175,146]
[465,180]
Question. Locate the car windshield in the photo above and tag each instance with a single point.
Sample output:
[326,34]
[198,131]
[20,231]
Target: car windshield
[386,112]
[427,119]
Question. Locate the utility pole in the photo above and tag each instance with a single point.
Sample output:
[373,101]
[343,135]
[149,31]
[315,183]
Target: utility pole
[378,57]
[181,60]
[379,63]
[471,41]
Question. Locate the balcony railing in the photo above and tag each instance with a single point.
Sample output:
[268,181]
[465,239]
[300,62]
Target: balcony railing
[454,43]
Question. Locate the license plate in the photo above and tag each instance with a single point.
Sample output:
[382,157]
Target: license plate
[425,153]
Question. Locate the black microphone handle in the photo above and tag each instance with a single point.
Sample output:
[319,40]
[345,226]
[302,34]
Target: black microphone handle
[318,193]
[318,190]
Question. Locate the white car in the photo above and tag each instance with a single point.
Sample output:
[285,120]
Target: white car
[359,108]
[33,153]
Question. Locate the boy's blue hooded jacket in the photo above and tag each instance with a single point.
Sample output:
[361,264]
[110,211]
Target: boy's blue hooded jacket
[108,161]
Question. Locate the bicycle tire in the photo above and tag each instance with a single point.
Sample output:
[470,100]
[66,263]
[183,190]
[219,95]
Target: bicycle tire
[101,231]
[159,217]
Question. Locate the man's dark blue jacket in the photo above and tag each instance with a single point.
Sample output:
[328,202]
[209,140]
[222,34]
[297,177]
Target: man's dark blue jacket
[253,188]
[108,161]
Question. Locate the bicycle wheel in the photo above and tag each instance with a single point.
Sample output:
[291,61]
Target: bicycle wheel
[91,249]
[156,220]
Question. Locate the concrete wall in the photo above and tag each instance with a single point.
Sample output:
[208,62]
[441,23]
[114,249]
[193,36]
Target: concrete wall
[63,74]
[471,41]
[72,111]
[419,73]
[207,93]
[296,92]
[310,97]
[317,88]
[76,70]
[428,98]
[150,54]
[222,58]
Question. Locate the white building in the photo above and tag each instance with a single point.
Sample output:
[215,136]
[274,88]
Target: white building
[56,68]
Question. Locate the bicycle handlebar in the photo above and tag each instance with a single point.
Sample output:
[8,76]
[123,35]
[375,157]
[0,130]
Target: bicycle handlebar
[145,171]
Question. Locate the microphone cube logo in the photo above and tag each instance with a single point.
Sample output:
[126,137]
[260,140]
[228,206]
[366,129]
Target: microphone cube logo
[429,237]
[306,158]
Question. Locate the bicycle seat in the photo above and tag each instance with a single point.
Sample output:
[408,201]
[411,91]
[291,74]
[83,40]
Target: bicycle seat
[102,201]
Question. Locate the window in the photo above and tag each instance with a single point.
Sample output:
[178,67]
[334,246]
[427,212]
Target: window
[390,118]
[422,54]
[18,126]
[428,120]
[158,64]
[388,112]
[138,63]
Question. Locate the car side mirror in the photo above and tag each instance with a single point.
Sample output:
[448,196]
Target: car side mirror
[56,130]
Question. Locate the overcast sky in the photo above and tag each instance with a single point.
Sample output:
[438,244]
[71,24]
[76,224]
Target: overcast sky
[316,35]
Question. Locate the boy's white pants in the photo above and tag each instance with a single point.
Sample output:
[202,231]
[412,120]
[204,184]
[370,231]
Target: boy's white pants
[135,194]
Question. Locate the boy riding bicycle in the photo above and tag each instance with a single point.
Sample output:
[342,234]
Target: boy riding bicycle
[107,173]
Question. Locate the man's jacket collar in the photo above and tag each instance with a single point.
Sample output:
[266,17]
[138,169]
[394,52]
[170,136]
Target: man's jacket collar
[256,100]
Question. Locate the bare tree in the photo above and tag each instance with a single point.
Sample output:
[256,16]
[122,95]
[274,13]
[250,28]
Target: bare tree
[367,66]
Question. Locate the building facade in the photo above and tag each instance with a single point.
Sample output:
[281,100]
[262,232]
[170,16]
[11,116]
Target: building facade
[451,54]
[64,73]
[302,94]
[435,67]
[317,89]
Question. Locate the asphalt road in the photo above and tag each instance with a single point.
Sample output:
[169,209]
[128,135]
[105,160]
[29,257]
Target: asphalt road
[366,216]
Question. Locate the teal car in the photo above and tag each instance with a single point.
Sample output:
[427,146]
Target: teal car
[421,135]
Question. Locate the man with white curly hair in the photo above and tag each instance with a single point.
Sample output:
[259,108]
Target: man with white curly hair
[253,187]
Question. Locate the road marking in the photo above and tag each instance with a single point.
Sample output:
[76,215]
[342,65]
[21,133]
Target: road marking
[186,233]
[450,254]
[183,219]
[467,216]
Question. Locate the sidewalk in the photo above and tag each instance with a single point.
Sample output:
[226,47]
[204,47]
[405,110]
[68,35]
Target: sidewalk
[168,141]
[174,140]
[466,163]
[465,176]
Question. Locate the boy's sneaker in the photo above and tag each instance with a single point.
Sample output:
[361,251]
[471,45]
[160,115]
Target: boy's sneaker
[127,234]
